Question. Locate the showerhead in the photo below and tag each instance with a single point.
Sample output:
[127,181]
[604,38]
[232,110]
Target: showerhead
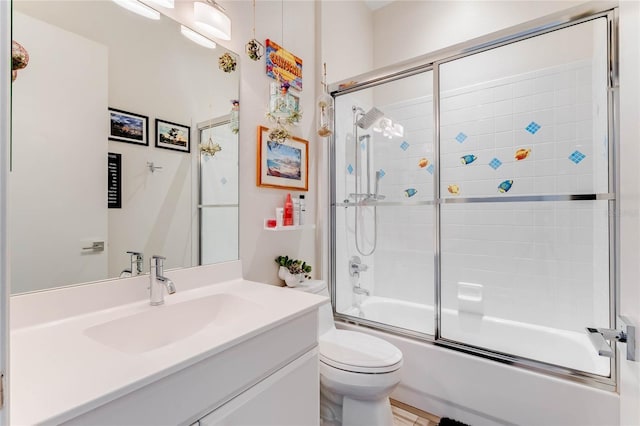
[368,118]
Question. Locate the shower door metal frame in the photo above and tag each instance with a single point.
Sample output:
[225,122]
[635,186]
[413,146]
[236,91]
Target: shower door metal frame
[431,62]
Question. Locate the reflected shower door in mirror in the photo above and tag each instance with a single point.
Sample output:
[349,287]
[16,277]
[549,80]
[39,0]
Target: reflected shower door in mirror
[87,58]
[218,208]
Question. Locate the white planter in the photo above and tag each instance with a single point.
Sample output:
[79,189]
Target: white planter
[293,280]
[283,272]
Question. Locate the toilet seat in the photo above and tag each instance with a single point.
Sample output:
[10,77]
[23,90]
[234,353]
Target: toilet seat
[358,352]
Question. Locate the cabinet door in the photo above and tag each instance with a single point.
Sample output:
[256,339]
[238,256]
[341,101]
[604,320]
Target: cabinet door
[290,396]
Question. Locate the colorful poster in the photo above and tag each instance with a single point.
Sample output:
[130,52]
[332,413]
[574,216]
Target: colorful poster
[283,65]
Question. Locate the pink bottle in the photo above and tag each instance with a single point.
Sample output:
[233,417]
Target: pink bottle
[288,211]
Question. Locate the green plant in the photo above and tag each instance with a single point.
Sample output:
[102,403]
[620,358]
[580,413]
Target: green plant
[294,266]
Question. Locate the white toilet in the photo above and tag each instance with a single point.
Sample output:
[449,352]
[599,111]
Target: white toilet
[357,371]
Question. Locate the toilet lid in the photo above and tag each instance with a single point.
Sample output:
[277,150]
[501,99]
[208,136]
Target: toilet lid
[358,352]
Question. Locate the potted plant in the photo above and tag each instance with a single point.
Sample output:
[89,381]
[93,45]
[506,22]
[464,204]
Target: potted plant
[292,271]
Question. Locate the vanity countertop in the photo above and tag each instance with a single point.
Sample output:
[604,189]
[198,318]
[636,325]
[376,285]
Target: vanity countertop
[58,371]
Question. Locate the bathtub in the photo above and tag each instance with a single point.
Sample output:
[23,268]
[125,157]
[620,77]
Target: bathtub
[479,391]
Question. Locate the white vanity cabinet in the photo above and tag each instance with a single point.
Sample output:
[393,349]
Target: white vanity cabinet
[219,351]
[270,379]
[289,397]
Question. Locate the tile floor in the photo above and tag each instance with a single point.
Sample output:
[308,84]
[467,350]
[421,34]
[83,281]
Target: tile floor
[405,415]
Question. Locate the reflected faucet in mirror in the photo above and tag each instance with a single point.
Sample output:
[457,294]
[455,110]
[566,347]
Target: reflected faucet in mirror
[136,265]
[158,280]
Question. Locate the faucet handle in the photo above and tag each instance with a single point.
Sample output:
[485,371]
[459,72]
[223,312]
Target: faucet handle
[157,262]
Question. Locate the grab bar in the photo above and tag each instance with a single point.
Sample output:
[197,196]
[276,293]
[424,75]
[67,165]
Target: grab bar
[599,337]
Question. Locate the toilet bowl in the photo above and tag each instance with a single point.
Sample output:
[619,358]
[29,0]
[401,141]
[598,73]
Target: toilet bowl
[357,371]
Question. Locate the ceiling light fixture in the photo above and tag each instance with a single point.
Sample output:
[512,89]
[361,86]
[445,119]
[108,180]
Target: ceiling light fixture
[169,4]
[197,37]
[211,19]
[141,9]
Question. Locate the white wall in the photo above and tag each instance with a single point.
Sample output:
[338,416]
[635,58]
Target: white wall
[629,214]
[435,25]
[259,248]
[347,38]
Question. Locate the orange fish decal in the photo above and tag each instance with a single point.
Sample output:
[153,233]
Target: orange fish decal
[522,153]
[423,163]
[453,189]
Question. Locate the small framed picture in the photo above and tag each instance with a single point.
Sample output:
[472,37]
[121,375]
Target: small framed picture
[173,136]
[282,165]
[128,127]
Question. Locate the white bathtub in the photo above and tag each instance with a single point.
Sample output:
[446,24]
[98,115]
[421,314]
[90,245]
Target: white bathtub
[479,391]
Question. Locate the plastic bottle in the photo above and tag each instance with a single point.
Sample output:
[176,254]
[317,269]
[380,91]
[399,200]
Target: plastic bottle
[303,210]
[288,211]
[296,212]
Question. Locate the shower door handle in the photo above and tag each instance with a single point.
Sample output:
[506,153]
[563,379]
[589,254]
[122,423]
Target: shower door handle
[599,337]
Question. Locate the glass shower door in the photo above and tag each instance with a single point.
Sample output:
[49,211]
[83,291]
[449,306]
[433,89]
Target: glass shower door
[525,188]
[383,207]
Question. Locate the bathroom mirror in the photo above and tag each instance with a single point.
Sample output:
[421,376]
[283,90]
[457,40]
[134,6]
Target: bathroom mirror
[94,174]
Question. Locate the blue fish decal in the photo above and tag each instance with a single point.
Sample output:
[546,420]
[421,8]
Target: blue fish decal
[505,186]
[410,192]
[468,159]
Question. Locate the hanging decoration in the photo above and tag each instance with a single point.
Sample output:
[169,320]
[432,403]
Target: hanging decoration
[282,65]
[19,59]
[254,48]
[210,148]
[227,63]
[284,111]
[234,122]
[325,109]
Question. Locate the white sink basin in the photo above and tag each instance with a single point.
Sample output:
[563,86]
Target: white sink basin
[162,325]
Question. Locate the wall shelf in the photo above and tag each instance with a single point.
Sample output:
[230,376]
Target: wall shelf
[288,228]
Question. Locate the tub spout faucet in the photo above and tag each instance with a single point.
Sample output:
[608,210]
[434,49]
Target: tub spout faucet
[158,280]
[359,290]
[356,266]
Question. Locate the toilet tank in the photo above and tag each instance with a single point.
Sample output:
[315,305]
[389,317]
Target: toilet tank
[325,312]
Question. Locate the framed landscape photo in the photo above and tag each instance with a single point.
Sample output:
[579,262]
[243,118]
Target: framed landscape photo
[173,136]
[282,165]
[128,127]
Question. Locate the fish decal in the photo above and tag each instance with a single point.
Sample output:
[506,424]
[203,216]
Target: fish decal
[423,163]
[505,186]
[468,159]
[522,153]
[410,192]
[453,189]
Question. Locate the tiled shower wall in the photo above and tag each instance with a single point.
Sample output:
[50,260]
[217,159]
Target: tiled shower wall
[541,263]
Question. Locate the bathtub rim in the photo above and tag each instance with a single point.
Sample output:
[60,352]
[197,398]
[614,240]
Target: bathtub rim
[556,371]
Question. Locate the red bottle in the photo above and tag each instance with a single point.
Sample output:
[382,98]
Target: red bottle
[288,211]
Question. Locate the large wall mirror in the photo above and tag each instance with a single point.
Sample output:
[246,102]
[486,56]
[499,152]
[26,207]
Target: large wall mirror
[87,57]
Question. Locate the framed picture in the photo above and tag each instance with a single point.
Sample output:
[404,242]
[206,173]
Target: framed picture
[173,136]
[282,165]
[128,127]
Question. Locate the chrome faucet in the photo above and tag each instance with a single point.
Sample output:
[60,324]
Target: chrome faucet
[156,275]
[136,265]
[356,266]
[359,290]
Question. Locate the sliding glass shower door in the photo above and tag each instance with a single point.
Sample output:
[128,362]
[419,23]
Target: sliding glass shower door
[473,199]
[384,209]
